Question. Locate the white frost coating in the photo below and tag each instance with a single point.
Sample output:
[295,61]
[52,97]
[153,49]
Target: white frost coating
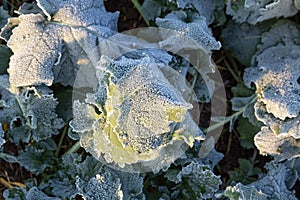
[56,51]
[281,146]
[253,11]
[273,184]
[196,29]
[33,108]
[277,80]
[205,8]
[35,46]
[144,125]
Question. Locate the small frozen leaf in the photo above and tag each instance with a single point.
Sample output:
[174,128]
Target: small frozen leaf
[15,193]
[252,11]
[198,181]
[281,146]
[293,172]
[103,186]
[29,8]
[3,17]
[35,194]
[273,184]
[6,31]
[36,159]
[283,32]
[5,54]
[207,9]
[241,192]
[196,29]
[30,113]
[85,177]
[2,141]
[152,9]
[241,40]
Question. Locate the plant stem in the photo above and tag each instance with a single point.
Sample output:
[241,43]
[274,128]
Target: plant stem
[236,77]
[229,118]
[63,135]
[226,120]
[138,6]
[73,149]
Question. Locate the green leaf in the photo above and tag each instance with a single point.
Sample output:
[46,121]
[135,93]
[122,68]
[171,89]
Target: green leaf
[241,192]
[247,132]
[36,159]
[5,54]
[245,173]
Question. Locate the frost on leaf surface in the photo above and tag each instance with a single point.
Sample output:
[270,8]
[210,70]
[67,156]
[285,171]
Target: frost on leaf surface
[101,187]
[2,141]
[275,73]
[207,9]
[283,32]
[242,192]
[273,183]
[3,17]
[78,176]
[276,78]
[197,181]
[191,26]
[241,40]
[21,194]
[144,118]
[253,11]
[30,112]
[57,48]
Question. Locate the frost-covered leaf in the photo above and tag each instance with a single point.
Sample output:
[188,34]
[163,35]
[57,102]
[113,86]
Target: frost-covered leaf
[247,132]
[78,176]
[56,49]
[241,192]
[241,40]
[246,173]
[2,141]
[6,31]
[15,193]
[5,54]
[273,184]
[131,132]
[190,26]
[283,32]
[277,80]
[252,11]
[3,17]
[8,158]
[33,193]
[197,181]
[102,187]
[152,9]
[293,172]
[282,146]
[36,159]
[208,9]
[30,112]
[29,8]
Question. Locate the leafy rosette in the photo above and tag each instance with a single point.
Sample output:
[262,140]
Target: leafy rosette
[277,81]
[137,119]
